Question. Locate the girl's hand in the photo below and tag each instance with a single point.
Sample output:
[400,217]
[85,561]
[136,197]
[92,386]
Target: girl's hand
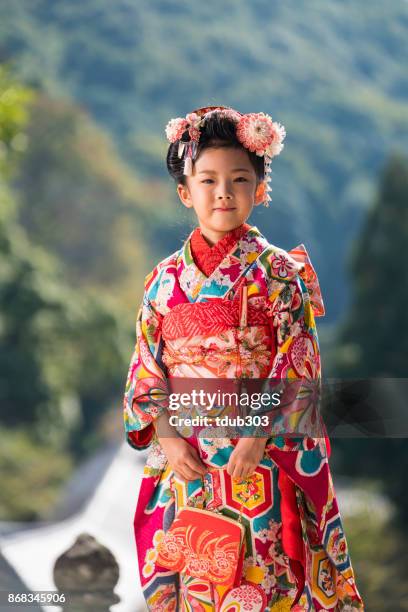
[246,457]
[182,457]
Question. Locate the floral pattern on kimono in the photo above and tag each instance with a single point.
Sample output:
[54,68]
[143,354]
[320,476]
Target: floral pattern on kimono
[296,550]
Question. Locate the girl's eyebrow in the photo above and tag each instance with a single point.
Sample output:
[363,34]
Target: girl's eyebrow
[214,171]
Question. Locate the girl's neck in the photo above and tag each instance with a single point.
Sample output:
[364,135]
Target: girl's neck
[213,237]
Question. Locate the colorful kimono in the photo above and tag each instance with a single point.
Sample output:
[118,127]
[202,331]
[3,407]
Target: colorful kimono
[253,316]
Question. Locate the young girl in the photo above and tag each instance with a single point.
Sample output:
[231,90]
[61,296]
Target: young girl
[230,305]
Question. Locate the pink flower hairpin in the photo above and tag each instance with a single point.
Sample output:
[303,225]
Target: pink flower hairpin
[258,133]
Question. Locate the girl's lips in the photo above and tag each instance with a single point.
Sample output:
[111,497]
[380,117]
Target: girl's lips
[224,209]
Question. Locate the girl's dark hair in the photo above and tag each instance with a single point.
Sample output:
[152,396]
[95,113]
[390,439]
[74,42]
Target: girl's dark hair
[217,132]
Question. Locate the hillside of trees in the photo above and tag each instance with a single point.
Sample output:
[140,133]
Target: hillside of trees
[332,73]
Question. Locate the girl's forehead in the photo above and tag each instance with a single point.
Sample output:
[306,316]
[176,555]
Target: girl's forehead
[225,155]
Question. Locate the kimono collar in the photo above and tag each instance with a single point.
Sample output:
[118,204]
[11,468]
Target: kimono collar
[209,257]
[236,263]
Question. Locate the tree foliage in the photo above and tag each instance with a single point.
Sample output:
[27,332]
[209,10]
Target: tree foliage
[61,347]
[31,475]
[14,99]
[78,199]
[373,338]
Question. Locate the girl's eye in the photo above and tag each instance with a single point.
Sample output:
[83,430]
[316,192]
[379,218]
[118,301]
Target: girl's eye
[239,178]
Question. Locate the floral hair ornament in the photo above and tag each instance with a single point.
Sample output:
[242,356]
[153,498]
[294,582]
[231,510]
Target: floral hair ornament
[255,131]
[175,130]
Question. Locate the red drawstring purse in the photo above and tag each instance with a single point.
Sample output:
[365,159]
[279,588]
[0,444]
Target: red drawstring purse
[204,544]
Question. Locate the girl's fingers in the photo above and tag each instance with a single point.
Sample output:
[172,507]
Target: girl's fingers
[238,472]
[188,471]
[194,466]
[195,462]
[197,466]
[230,468]
[242,472]
[186,474]
[237,469]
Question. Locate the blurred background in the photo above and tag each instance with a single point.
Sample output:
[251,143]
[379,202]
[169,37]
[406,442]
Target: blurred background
[87,209]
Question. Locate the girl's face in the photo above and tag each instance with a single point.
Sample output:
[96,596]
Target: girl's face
[222,190]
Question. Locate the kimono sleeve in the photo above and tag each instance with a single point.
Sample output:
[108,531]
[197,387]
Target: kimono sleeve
[296,369]
[146,391]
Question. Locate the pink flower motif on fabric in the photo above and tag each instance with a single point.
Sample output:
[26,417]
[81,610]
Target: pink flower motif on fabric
[247,597]
[271,533]
[281,266]
[301,356]
[338,545]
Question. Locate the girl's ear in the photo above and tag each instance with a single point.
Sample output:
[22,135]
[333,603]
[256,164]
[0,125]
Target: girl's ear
[260,193]
[184,195]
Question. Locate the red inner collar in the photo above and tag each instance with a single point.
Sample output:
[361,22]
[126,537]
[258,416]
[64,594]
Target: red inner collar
[207,257]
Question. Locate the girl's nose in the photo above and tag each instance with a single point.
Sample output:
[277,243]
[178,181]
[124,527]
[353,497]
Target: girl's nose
[224,190]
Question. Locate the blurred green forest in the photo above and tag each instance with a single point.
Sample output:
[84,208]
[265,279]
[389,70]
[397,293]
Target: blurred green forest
[332,72]
[64,344]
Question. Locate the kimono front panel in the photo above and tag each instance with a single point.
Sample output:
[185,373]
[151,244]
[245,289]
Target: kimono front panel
[287,347]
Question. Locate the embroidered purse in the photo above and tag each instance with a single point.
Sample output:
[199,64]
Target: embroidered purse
[204,544]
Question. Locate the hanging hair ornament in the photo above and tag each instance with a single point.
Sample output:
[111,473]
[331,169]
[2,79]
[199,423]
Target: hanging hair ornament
[258,133]
[175,130]
[267,179]
[255,131]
